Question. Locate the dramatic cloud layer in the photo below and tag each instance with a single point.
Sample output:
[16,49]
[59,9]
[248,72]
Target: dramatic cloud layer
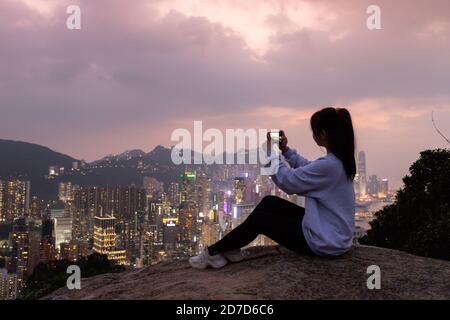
[140,69]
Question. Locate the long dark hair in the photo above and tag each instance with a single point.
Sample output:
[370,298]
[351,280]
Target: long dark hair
[337,124]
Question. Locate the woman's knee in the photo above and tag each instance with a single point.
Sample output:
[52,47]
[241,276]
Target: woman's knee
[269,200]
[261,215]
[267,203]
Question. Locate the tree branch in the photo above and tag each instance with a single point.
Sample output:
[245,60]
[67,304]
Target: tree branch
[438,131]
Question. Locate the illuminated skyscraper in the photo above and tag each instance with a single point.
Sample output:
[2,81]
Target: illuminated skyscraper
[203,191]
[20,250]
[362,174]
[174,194]
[150,246]
[117,201]
[384,188]
[66,191]
[158,211]
[63,230]
[210,234]
[36,208]
[8,285]
[14,199]
[188,189]
[171,233]
[188,216]
[239,189]
[85,208]
[189,212]
[105,239]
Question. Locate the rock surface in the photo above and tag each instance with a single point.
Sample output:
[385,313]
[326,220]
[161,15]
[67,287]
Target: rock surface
[277,273]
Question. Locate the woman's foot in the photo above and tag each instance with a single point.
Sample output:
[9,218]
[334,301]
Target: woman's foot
[235,255]
[204,260]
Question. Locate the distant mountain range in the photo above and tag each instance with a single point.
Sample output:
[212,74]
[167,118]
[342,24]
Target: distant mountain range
[22,160]
[127,155]
[27,161]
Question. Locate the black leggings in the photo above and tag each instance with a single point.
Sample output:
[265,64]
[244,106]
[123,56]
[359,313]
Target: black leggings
[276,218]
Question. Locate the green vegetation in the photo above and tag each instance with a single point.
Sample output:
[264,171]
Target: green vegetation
[418,221]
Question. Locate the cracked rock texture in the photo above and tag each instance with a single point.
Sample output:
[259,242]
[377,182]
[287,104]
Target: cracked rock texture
[277,273]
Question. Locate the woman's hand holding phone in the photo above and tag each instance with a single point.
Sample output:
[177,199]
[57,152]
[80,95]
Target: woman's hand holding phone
[282,140]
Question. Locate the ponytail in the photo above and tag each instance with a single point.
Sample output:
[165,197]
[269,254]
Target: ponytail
[337,123]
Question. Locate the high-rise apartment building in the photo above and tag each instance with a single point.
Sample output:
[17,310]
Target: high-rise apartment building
[120,202]
[20,250]
[203,193]
[8,285]
[174,194]
[105,239]
[14,199]
[188,191]
[188,213]
[66,191]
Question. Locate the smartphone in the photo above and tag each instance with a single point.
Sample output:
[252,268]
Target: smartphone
[276,135]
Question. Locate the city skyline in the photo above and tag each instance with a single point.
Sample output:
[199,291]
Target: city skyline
[128,153]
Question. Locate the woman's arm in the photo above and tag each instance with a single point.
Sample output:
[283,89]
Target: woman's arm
[294,159]
[307,180]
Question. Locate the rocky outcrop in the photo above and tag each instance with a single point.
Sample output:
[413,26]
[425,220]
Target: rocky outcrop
[277,273]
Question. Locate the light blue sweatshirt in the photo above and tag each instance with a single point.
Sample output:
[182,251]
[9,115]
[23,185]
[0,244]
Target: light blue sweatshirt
[329,200]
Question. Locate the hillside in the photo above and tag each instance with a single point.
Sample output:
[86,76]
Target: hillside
[26,159]
[276,273]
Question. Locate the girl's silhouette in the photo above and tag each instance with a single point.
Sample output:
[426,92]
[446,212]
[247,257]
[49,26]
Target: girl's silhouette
[325,226]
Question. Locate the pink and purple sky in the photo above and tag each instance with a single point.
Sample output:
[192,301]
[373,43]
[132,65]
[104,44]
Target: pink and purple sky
[139,69]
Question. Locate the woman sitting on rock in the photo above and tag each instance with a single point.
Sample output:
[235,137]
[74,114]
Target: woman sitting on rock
[325,226]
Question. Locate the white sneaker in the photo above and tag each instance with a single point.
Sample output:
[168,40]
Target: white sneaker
[235,255]
[204,259]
